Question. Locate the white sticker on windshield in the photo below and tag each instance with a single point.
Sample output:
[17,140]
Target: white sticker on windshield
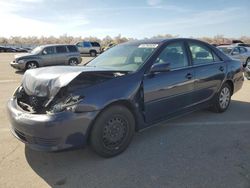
[148,46]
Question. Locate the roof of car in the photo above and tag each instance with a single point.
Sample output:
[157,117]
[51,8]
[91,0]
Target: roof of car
[49,45]
[226,46]
[157,40]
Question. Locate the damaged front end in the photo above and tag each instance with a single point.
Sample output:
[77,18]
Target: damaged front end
[44,105]
[47,92]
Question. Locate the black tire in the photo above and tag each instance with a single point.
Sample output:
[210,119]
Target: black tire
[32,65]
[246,66]
[73,62]
[93,53]
[113,131]
[222,99]
[246,63]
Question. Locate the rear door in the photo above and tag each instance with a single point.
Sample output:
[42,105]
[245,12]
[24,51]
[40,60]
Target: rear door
[243,54]
[209,71]
[169,92]
[61,55]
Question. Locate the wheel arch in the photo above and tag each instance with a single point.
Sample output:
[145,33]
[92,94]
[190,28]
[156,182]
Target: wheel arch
[231,84]
[125,103]
[75,58]
[32,61]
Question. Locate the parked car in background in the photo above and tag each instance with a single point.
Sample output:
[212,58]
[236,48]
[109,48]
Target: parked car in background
[128,88]
[237,52]
[87,47]
[108,47]
[21,50]
[2,49]
[247,70]
[244,45]
[47,55]
[7,49]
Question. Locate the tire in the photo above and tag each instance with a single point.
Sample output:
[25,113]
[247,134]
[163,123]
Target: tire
[113,131]
[247,67]
[73,62]
[222,99]
[32,65]
[92,53]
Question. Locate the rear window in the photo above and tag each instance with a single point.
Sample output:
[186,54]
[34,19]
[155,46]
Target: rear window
[200,53]
[61,49]
[72,48]
[95,44]
[86,44]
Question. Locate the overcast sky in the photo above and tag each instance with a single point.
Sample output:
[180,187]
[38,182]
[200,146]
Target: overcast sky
[130,18]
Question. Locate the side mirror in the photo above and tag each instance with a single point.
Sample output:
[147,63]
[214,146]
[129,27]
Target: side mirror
[160,67]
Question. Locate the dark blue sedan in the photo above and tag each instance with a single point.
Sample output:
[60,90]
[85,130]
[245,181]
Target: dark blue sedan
[126,89]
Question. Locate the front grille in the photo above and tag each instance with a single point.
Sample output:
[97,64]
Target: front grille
[21,135]
[46,142]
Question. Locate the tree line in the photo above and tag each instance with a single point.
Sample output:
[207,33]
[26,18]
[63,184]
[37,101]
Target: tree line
[65,39]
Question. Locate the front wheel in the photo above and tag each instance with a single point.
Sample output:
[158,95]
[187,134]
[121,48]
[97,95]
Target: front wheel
[32,65]
[223,98]
[112,131]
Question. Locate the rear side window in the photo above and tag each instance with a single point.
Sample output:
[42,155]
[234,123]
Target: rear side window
[95,44]
[236,50]
[72,48]
[86,44]
[61,49]
[243,50]
[201,54]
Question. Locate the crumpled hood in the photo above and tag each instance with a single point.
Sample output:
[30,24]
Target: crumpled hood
[46,82]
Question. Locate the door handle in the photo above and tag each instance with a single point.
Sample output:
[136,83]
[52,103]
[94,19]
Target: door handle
[221,68]
[189,76]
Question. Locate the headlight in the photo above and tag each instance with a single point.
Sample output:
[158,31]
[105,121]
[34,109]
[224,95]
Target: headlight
[68,104]
[21,61]
[18,92]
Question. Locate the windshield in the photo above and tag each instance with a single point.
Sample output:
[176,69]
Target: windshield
[226,50]
[124,57]
[36,50]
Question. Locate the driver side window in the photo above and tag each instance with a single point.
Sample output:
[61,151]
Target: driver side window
[174,54]
[48,51]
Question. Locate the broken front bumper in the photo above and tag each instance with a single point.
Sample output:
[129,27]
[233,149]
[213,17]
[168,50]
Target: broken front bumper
[50,132]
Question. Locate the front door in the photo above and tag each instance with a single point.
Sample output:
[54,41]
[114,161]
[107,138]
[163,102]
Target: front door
[48,56]
[169,92]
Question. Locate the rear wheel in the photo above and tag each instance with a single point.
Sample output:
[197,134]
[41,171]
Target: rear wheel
[32,65]
[113,131]
[73,62]
[223,98]
[92,53]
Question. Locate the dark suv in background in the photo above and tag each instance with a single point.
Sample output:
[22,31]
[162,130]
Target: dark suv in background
[47,55]
[91,48]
